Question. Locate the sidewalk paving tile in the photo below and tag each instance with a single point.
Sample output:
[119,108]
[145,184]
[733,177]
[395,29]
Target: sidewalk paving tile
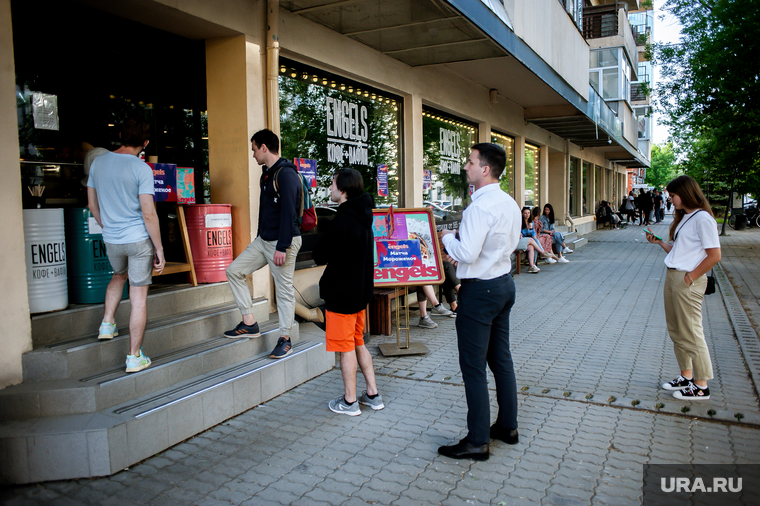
[591,411]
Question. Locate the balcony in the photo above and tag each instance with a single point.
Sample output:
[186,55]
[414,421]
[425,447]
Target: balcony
[637,93]
[604,21]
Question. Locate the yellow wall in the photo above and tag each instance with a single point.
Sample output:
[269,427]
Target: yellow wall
[15,326]
[235,77]
[547,28]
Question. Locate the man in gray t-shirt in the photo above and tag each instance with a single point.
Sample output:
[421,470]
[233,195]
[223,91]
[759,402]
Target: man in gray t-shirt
[120,194]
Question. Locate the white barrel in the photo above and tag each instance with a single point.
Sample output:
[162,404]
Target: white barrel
[45,260]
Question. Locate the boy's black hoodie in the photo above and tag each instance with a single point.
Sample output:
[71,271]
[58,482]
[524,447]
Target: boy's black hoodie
[277,217]
[347,249]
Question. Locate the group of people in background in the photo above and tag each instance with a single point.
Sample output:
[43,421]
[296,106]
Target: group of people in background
[540,239]
[646,206]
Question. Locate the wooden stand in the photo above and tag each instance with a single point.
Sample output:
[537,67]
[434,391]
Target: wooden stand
[395,350]
[175,267]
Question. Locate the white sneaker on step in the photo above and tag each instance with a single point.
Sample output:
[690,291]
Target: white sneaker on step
[566,251]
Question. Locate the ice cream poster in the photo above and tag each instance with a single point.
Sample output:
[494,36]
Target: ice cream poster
[382,180]
[404,253]
[308,169]
[164,182]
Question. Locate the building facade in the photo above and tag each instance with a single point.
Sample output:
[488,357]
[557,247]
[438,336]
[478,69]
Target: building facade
[397,89]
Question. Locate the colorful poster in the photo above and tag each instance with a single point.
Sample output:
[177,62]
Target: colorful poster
[427,179]
[185,185]
[382,180]
[307,168]
[406,253]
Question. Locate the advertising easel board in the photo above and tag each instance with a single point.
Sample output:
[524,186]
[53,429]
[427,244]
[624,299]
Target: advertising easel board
[406,253]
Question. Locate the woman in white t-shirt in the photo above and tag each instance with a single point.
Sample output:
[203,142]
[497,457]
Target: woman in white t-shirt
[693,249]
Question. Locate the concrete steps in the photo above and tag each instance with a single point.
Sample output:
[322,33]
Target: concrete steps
[78,414]
[572,239]
[76,357]
[107,441]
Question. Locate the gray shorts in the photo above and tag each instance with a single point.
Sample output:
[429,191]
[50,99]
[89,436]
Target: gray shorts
[135,257]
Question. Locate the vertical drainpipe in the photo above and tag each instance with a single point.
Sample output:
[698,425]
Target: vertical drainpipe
[273,65]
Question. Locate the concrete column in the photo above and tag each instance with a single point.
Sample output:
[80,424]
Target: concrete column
[413,151]
[235,79]
[16,330]
[557,187]
[520,170]
[543,175]
[484,132]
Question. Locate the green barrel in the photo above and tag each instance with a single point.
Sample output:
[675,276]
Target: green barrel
[88,265]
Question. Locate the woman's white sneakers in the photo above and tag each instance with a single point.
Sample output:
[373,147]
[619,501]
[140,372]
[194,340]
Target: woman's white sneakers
[550,260]
[563,260]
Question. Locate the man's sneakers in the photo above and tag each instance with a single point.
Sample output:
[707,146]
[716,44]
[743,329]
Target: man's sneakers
[282,349]
[692,393]
[566,250]
[107,331]
[426,322]
[339,405]
[563,260]
[242,330]
[137,363]
[375,403]
[439,310]
[677,384]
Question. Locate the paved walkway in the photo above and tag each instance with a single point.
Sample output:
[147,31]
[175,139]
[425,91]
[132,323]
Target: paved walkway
[590,349]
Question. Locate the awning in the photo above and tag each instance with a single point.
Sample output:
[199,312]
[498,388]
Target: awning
[472,38]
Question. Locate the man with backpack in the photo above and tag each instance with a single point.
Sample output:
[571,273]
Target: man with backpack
[277,242]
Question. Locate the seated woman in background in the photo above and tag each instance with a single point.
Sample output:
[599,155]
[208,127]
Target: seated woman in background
[544,240]
[529,242]
[547,220]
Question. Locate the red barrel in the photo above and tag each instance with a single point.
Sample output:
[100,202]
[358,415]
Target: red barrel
[209,227]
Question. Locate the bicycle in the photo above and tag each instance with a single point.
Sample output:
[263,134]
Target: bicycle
[753,217]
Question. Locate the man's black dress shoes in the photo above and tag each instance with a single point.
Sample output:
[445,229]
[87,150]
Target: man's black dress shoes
[509,436]
[464,450]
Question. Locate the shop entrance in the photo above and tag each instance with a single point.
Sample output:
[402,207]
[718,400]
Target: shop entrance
[100,69]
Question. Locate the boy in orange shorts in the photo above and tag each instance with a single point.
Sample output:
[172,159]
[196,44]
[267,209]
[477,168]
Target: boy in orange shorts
[346,287]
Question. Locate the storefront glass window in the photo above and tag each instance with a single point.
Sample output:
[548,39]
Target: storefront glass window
[585,175]
[446,144]
[572,198]
[598,187]
[507,181]
[339,123]
[531,175]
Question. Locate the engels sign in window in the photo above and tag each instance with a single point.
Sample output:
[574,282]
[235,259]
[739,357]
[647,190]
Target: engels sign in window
[347,132]
[449,151]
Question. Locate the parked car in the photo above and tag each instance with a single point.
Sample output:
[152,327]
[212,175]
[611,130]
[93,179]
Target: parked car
[444,218]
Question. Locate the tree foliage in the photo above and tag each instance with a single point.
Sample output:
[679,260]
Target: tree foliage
[709,90]
[664,167]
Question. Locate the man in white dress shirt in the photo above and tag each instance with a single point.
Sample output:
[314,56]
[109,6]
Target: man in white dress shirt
[483,245]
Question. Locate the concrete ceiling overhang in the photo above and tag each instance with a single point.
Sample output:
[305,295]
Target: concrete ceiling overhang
[471,40]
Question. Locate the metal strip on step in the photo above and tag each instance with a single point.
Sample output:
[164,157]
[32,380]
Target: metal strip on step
[156,324]
[305,347]
[213,344]
[205,346]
